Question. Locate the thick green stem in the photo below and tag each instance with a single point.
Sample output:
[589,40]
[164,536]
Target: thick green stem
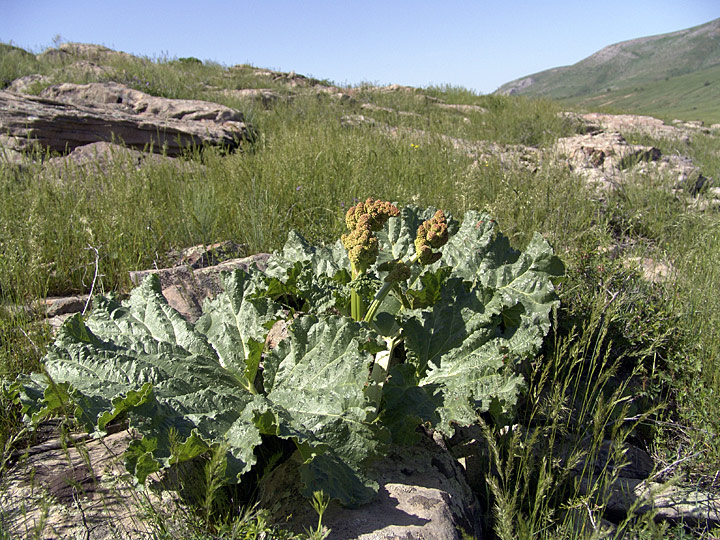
[375,305]
[381,294]
[357,304]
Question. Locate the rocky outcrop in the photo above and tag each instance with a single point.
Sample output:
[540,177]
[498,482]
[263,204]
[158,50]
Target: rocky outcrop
[693,507]
[24,85]
[290,79]
[186,288]
[628,123]
[99,157]
[601,157]
[69,115]
[606,160]
[377,108]
[423,495]
[76,488]
[120,97]
[68,52]
[262,96]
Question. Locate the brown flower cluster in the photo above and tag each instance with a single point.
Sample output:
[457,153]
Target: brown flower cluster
[431,234]
[362,219]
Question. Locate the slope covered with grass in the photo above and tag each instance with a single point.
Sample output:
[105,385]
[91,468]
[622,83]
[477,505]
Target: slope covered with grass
[669,75]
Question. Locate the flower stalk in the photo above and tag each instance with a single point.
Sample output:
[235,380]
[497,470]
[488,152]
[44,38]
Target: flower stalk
[363,220]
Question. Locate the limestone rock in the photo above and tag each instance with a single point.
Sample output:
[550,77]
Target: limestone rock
[204,255]
[186,288]
[355,120]
[112,111]
[76,490]
[24,85]
[651,270]
[63,305]
[423,495]
[128,99]
[601,157]
[291,79]
[626,123]
[263,96]
[98,158]
[694,507]
[373,107]
[9,155]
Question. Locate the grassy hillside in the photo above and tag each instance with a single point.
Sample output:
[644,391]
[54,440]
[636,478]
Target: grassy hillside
[694,96]
[663,75]
[627,359]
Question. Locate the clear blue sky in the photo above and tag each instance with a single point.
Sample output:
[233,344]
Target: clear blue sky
[475,44]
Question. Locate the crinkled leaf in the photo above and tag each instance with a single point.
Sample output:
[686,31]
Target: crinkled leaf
[236,324]
[142,361]
[463,349]
[314,382]
[307,291]
[406,404]
[480,254]
[324,260]
[315,278]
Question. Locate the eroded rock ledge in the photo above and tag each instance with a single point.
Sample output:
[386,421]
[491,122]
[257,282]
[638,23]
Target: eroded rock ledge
[67,116]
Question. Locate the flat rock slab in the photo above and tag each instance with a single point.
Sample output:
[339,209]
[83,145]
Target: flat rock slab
[646,125]
[694,507]
[423,495]
[100,156]
[164,125]
[56,490]
[186,288]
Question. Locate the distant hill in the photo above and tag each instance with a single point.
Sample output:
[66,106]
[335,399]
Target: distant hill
[669,75]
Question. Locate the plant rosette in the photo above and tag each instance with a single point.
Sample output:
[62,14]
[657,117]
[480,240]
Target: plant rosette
[428,322]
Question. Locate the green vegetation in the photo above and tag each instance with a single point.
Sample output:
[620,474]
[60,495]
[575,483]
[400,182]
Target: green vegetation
[694,96]
[626,359]
[336,388]
[670,76]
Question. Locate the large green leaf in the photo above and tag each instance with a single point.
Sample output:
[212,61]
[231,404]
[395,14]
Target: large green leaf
[460,349]
[324,260]
[236,324]
[184,388]
[143,361]
[493,313]
[314,382]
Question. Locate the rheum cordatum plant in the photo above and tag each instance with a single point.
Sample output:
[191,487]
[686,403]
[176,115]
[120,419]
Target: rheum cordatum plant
[411,319]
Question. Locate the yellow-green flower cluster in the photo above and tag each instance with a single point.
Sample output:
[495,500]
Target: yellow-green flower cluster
[372,213]
[431,234]
[362,220]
